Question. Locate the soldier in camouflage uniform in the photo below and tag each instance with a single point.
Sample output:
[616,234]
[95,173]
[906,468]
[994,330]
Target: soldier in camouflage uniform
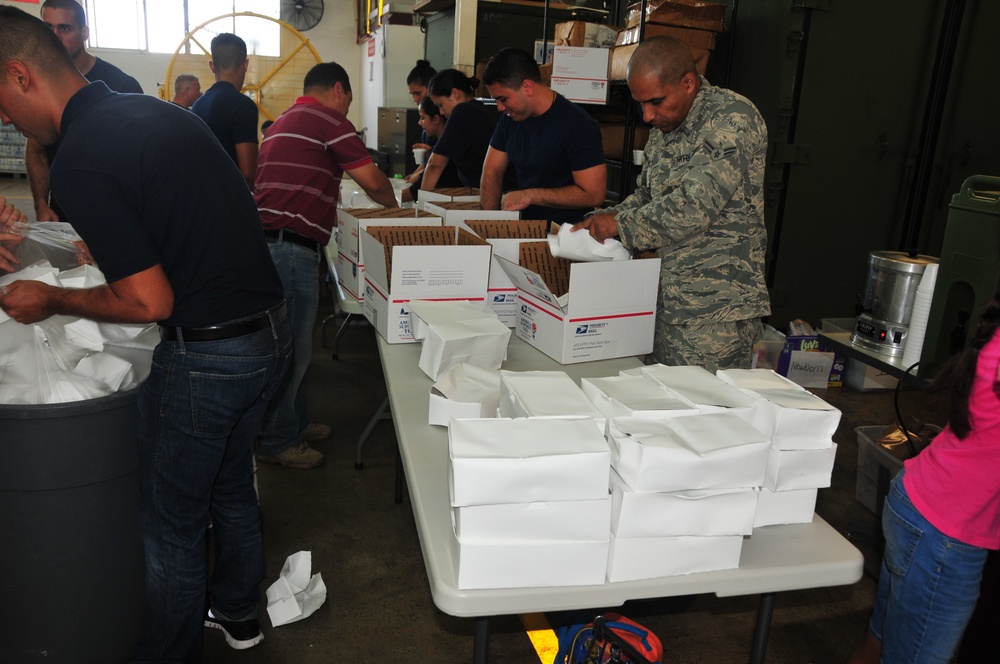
[699,205]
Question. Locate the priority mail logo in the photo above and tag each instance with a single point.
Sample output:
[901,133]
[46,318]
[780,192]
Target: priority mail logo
[369,291]
[502,299]
[354,270]
[590,329]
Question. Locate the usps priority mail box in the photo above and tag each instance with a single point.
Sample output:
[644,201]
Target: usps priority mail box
[608,309]
[448,194]
[405,263]
[350,223]
[455,213]
[506,237]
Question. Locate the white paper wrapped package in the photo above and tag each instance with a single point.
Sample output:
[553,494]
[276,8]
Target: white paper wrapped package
[709,392]
[635,396]
[464,391]
[800,469]
[757,380]
[548,394]
[781,507]
[715,451]
[635,558]
[495,461]
[425,312]
[543,521]
[696,513]
[480,341]
[530,564]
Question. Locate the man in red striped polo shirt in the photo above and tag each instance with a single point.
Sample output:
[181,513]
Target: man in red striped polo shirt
[302,160]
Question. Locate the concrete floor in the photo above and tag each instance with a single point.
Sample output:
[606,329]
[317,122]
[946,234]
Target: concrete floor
[379,606]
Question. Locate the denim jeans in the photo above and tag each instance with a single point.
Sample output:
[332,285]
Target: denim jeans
[286,416]
[927,589]
[199,413]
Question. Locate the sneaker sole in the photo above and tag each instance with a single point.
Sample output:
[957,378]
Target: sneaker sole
[275,461]
[235,644]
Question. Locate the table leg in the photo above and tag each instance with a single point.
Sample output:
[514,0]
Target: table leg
[383,413]
[399,476]
[481,641]
[763,628]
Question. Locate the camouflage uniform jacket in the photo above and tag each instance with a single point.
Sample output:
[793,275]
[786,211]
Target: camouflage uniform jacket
[699,204]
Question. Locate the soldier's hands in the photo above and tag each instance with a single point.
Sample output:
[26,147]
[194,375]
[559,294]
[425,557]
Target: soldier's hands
[600,226]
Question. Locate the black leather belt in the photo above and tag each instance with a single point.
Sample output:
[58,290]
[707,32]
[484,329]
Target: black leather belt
[294,238]
[256,323]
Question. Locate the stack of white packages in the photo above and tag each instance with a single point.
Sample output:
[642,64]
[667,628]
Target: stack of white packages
[63,358]
[530,502]
[454,333]
[801,428]
[635,396]
[684,494]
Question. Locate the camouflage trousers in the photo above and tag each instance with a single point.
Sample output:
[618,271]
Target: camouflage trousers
[712,346]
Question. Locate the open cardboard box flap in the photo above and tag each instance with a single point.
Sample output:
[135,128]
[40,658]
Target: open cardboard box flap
[512,229]
[420,236]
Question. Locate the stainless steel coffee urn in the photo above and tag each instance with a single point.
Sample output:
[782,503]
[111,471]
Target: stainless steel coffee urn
[887,303]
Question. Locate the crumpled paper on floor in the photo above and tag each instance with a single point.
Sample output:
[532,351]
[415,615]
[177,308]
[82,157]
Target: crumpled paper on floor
[295,595]
[581,246]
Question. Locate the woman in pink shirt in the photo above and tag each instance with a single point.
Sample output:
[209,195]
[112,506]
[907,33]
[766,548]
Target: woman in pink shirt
[942,515]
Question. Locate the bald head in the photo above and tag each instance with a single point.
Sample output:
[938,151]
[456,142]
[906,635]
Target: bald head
[666,58]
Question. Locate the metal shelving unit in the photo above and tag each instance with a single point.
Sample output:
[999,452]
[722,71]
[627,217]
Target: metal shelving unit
[11,150]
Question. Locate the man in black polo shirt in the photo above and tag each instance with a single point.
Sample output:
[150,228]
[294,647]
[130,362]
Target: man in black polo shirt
[230,114]
[68,20]
[175,230]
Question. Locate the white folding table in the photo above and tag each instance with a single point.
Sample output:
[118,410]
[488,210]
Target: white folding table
[774,559]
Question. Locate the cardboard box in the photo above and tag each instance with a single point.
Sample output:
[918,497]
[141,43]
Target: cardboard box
[405,263]
[350,223]
[700,39]
[545,394]
[635,396]
[636,558]
[620,56]
[553,520]
[580,62]
[716,451]
[581,33]
[530,564]
[685,13]
[501,461]
[781,507]
[702,513]
[613,138]
[449,194]
[456,213]
[506,237]
[578,312]
[581,90]
[800,469]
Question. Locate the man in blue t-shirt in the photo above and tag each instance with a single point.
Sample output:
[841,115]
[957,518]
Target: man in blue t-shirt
[231,115]
[553,145]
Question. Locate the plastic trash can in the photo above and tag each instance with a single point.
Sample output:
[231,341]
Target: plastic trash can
[71,564]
